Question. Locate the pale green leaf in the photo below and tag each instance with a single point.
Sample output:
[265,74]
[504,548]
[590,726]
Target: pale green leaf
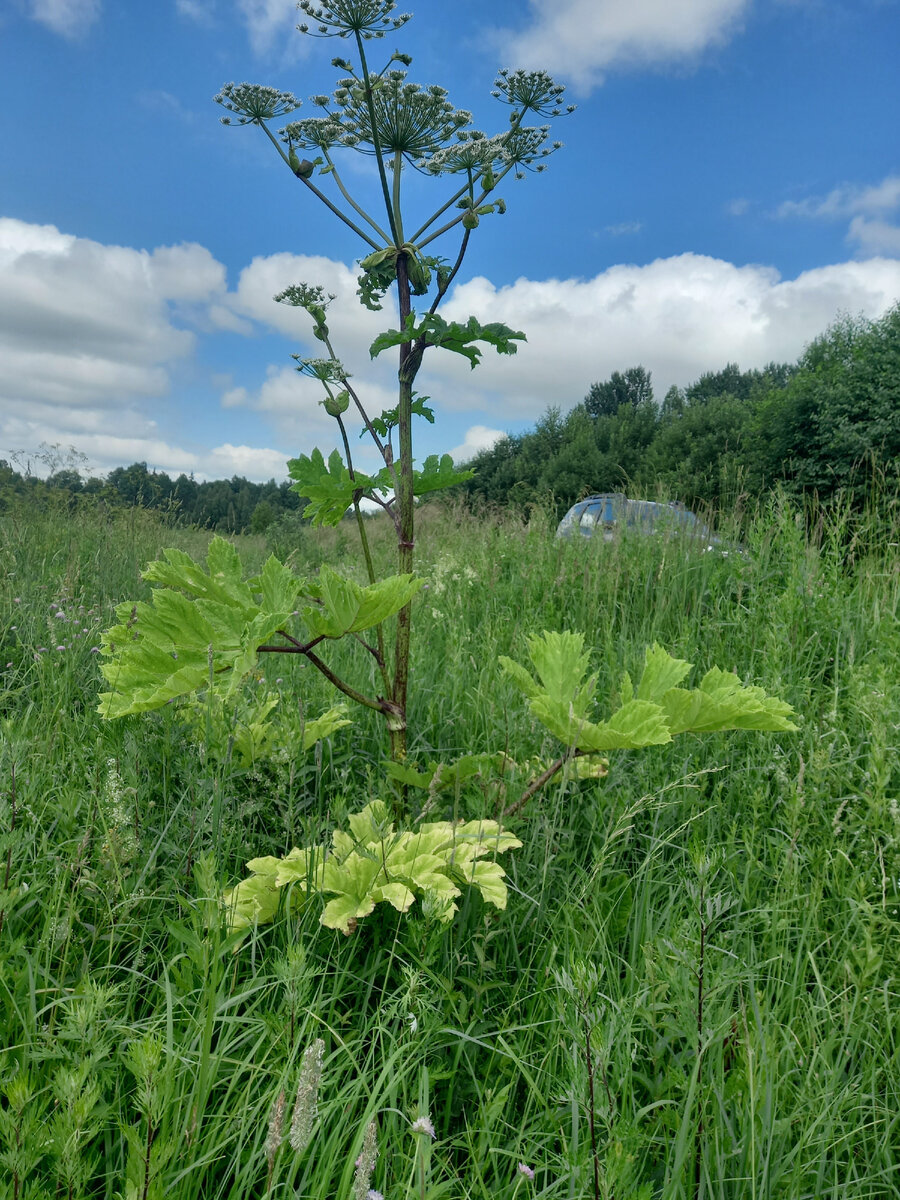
[397,894]
[523,680]
[661,672]
[636,724]
[371,824]
[437,473]
[721,702]
[253,901]
[488,878]
[324,726]
[561,662]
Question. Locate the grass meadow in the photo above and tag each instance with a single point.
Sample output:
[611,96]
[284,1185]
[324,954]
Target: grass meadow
[693,991]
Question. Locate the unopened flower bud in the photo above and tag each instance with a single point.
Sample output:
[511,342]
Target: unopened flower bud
[335,405]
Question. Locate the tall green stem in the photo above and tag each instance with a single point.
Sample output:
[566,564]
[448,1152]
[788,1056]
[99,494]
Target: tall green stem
[376,140]
[406,503]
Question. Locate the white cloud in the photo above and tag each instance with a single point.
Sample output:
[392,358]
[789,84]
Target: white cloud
[88,325]
[200,11]
[70,18]
[88,337]
[348,321]
[478,437]
[253,463]
[678,317]
[869,207]
[847,200]
[271,23]
[580,39]
[624,228]
[236,397]
[875,237]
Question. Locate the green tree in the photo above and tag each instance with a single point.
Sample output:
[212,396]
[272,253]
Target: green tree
[633,387]
[262,518]
[838,418]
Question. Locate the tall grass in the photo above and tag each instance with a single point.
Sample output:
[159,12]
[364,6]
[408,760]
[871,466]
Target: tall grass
[692,992]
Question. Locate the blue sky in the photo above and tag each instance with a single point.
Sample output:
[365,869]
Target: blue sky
[729,185]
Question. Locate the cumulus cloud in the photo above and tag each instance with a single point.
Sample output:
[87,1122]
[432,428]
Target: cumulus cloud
[89,335]
[70,18]
[270,23]
[348,321]
[873,209]
[253,463]
[478,437]
[580,39]
[678,317]
[85,324]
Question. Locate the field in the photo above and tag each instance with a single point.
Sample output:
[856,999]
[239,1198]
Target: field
[693,990]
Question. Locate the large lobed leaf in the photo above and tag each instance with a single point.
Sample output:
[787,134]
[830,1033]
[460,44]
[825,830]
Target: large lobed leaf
[199,624]
[650,715]
[330,488]
[347,607]
[373,864]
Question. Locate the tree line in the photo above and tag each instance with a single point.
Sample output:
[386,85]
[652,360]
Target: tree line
[829,422]
[235,505]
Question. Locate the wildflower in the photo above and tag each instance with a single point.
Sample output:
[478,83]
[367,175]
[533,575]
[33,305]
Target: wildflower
[371,1194]
[60,647]
[307,1096]
[424,1125]
[365,1164]
[95,649]
[60,616]
[525,1170]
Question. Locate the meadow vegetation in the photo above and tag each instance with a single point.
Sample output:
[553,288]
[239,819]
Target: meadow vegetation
[691,992]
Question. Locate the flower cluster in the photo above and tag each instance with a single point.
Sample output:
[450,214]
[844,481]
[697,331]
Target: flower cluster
[531,91]
[252,103]
[474,151]
[344,18]
[302,295]
[410,119]
[326,370]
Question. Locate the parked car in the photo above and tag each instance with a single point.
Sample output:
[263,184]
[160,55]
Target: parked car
[608,514]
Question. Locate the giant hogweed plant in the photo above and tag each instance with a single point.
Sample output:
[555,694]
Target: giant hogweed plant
[199,640]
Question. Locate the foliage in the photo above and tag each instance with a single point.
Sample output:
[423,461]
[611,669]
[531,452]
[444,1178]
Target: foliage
[482,1024]
[651,713]
[827,423]
[372,864]
[205,623]
[605,399]
[253,725]
[199,624]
